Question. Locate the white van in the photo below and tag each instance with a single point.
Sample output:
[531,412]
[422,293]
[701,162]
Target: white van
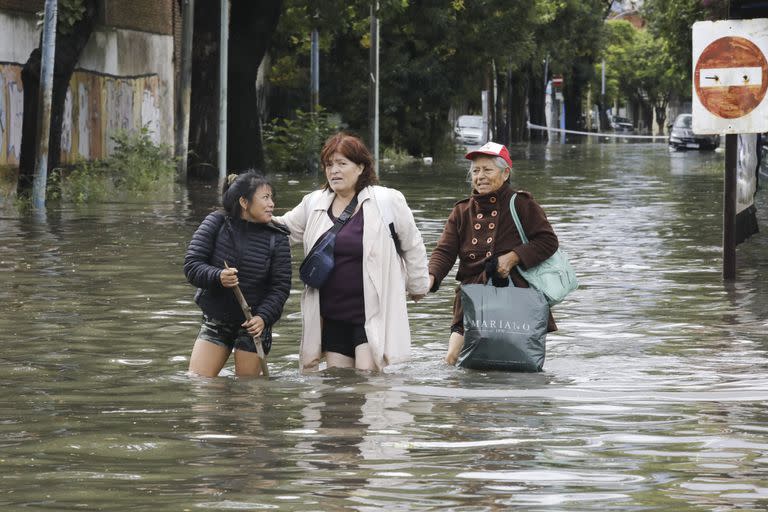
[469,130]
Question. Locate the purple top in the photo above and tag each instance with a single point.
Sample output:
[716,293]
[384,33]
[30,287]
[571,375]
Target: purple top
[341,298]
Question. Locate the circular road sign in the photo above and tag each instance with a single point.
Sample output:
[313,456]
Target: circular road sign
[731,77]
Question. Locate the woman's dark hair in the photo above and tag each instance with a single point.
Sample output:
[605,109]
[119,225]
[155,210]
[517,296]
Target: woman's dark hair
[242,185]
[356,151]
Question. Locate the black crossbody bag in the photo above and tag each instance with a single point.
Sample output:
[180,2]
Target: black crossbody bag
[318,264]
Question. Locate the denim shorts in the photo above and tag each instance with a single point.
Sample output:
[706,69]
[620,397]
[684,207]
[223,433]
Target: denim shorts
[230,336]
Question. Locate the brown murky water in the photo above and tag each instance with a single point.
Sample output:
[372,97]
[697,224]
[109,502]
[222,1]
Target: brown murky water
[653,398]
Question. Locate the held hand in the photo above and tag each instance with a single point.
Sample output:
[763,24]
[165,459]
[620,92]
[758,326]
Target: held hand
[229,277]
[455,343]
[506,263]
[416,297]
[254,326]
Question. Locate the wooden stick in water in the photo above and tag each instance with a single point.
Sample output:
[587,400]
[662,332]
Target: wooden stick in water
[256,339]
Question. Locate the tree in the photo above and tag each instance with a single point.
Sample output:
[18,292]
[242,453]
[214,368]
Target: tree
[672,21]
[75,23]
[251,27]
[654,75]
[619,40]
[436,55]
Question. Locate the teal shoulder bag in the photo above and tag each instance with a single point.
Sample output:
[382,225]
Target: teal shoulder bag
[554,277]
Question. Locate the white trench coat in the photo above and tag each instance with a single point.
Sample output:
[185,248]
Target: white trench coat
[386,276]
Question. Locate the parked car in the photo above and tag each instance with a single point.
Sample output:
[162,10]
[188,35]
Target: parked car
[681,135]
[469,130]
[621,124]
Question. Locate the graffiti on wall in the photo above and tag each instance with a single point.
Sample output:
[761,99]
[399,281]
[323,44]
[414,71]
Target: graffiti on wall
[96,108]
[11,113]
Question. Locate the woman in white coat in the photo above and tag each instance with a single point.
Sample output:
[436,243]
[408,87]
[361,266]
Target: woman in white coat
[358,318]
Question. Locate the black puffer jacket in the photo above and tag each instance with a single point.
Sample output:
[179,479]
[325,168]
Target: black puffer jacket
[262,256]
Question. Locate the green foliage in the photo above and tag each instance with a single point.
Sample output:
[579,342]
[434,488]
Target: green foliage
[619,41]
[672,22]
[396,157]
[68,13]
[137,167]
[291,145]
[435,55]
[86,181]
[138,164]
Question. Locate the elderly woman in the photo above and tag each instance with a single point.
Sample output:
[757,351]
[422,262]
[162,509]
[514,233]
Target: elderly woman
[481,232]
[358,317]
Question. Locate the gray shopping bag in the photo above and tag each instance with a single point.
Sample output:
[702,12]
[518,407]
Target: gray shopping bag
[504,328]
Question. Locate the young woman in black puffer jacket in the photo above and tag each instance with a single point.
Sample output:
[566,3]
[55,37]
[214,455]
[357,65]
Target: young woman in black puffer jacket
[258,254]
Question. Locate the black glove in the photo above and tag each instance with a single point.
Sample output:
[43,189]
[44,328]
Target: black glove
[491,267]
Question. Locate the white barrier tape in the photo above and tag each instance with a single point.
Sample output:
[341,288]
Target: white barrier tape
[595,134]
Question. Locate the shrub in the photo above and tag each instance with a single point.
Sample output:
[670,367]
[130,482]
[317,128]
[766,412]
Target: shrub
[293,145]
[136,166]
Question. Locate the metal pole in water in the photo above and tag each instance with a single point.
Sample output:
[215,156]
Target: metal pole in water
[729,206]
[46,100]
[185,86]
[223,70]
[314,94]
[314,66]
[374,63]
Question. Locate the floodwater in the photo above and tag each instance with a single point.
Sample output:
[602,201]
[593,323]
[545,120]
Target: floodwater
[653,395]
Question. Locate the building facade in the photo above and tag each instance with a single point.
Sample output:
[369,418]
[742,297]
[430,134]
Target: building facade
[124,80]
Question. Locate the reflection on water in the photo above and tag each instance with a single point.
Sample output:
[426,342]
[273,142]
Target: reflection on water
[653,396]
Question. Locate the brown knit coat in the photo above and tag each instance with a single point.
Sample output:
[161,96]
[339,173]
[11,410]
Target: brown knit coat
[481,227]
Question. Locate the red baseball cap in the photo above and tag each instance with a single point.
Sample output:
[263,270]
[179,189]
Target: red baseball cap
[491,149]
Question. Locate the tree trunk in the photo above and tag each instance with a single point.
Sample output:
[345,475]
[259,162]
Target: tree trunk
[204,111]
[68,49]
[602,108]
[536,94]
[661,115]
[251,27]
[498,115]
[517,110]
[572,96]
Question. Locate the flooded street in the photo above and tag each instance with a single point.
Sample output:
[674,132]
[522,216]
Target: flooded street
[653,396]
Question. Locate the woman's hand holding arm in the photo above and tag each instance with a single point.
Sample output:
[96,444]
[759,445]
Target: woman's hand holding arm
[412,245]
[296,219]
[445,253]
[506,263]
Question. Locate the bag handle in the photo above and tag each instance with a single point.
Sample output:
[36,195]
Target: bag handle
[489,282]
[344,217]
[518,224]
[383,202]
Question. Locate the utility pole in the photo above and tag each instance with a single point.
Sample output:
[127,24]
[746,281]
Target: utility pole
[729,206]
[185,87]
[48,61]
[314,93]
[314,71]
[601,112]
[373,103]
[223,70]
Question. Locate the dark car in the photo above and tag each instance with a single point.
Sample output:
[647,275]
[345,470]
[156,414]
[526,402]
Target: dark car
[681,135]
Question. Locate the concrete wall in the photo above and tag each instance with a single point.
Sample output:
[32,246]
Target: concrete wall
[125,79]
[18,37]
